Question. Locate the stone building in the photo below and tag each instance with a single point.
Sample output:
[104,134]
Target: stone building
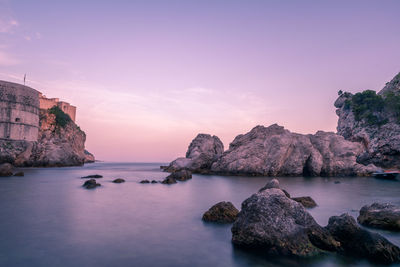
[46,103]
[19,112]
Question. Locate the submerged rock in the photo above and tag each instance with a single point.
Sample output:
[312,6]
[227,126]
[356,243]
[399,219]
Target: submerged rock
[154,182]
[273,223]
[362,243]
[169,180]
[222,212]
[90,184]
[201,153]
[144,182]
[307,202]
[92,176]
[6,169]
[380,215]
[181,175]
[19,174]
[275,151]
[118,181]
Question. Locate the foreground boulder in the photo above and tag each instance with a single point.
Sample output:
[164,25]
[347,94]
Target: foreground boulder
[307,202]
[222,212]
[90,184]
[6,169]
[202,152]
[361,243]
[181,175]
[380,215]
[274,224]
[275,151]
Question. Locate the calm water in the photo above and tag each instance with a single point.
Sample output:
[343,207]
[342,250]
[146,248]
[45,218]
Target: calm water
[48,219]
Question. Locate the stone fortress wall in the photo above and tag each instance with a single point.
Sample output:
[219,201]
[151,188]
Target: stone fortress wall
[19,112]
[46,103]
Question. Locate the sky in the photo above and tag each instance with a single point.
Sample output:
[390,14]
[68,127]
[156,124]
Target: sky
[148,76]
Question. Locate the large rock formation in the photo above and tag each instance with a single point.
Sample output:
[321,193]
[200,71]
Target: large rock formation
[376,126]
[202,152]
[57,145]
[275,151]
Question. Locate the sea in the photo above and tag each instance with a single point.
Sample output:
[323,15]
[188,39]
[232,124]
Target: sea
[48,219]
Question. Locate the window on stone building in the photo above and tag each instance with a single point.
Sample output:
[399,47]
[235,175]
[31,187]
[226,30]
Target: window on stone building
[17,119]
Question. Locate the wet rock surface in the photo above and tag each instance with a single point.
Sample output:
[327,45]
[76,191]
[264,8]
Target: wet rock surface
[222,212]
[380,215]
[90,184]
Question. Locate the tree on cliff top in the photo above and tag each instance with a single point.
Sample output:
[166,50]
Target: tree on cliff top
[62,119]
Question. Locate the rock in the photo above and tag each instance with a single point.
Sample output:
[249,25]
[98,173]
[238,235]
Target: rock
[307,202]
[274,151]
[361,243]
[6,169]
[92,176]
[380,215]
[381,142]
[274,183]
[19,174]
[181,175]
[118,181]
[90,184]
[169,180]
[89,157]
[154,182]
[273,223]
[222,212]
[201,153]
[336,182]
[144,182]
[286,193]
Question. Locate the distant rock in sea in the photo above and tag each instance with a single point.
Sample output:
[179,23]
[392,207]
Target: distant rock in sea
[275,151]
[90,184]
[96,176]
[118,181]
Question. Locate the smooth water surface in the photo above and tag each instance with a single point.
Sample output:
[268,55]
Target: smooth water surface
[48,219]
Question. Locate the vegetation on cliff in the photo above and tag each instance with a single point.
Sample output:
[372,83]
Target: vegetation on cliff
[373,108]
[62,119]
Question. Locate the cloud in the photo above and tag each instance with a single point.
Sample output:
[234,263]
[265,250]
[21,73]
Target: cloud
[7,25]
[7,59]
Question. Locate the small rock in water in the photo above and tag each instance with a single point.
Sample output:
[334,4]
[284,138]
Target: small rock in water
[274,183]
[380,215]
[181,175]
[144,182]
[154,182]
[19,174]
[307,202]
[118,181]
[169,180]
[92,176]
[6,169]
[222,212]
[337,182]
[90,184]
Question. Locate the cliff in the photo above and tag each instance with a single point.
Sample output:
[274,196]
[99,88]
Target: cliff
[60,143]
[275,151]
[373,119]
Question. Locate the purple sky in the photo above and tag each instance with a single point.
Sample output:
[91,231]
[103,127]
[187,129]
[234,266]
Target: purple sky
[147,76]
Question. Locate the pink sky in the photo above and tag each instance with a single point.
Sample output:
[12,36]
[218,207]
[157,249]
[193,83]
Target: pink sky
[147,76]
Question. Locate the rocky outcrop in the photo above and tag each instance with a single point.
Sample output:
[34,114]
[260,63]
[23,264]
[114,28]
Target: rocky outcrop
[275,151]
[274,224]
[181,175]
[271,223]
[202,152]
[222,212]
[56,146]
[361,243]
[380,215]
[89,157]
[381,140]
